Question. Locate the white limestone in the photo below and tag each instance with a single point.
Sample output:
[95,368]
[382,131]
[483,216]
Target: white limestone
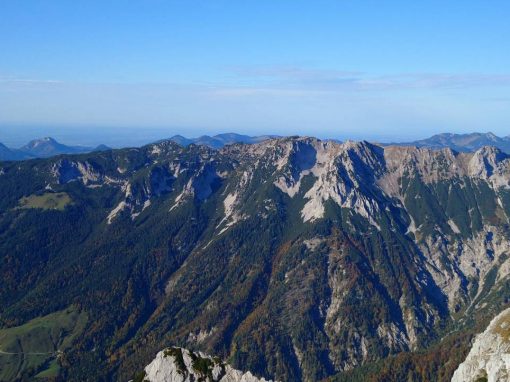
[335,168]
[165,368]
[467,258]
[123,204]
[490,354]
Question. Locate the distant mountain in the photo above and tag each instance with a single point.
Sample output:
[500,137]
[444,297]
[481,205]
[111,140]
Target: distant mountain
[44,148]
[462,142]
[48,147]
[458,142]
[7,153]
[220,140]
[101,148]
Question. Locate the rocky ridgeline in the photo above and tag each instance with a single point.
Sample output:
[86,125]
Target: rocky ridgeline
[181,365]
[489,358]
[351,174]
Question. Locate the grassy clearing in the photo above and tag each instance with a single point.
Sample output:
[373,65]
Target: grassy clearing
[51,371]
[46,201]
[31,349]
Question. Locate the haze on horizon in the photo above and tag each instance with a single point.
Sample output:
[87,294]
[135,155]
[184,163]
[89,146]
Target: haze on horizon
[90,70]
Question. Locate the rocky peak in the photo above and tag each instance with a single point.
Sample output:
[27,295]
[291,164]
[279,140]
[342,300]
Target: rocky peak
[486,162]
[363,158]
[38,142]
[181,365]
[492,136]
[163,147]
[341,171]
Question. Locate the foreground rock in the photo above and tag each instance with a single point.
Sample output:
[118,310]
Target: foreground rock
[489,358]
[182,365]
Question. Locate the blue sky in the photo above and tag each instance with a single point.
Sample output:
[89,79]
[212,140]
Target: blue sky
[391,70]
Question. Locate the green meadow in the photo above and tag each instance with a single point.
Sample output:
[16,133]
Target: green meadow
[34,347]
[46,201]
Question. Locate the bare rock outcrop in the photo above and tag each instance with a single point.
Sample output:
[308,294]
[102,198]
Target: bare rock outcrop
[489,358]
[181,365]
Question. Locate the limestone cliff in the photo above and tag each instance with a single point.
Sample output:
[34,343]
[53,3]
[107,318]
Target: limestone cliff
[489,358]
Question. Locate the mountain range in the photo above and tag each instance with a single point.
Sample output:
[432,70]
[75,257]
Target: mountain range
[462,142]
[43,148]
[47,147]
[458,142]
[294,258]
[220,140]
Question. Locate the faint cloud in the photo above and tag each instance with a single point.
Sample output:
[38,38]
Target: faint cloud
[498,99]
[294,72]
[13,80]
[341,80]
[442,81]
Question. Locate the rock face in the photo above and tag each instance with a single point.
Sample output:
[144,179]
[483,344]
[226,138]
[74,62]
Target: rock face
[182,365]
[489,358]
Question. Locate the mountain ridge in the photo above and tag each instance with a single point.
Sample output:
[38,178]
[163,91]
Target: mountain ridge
[219,140]
[462,142]
[47,147]
[44,148]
